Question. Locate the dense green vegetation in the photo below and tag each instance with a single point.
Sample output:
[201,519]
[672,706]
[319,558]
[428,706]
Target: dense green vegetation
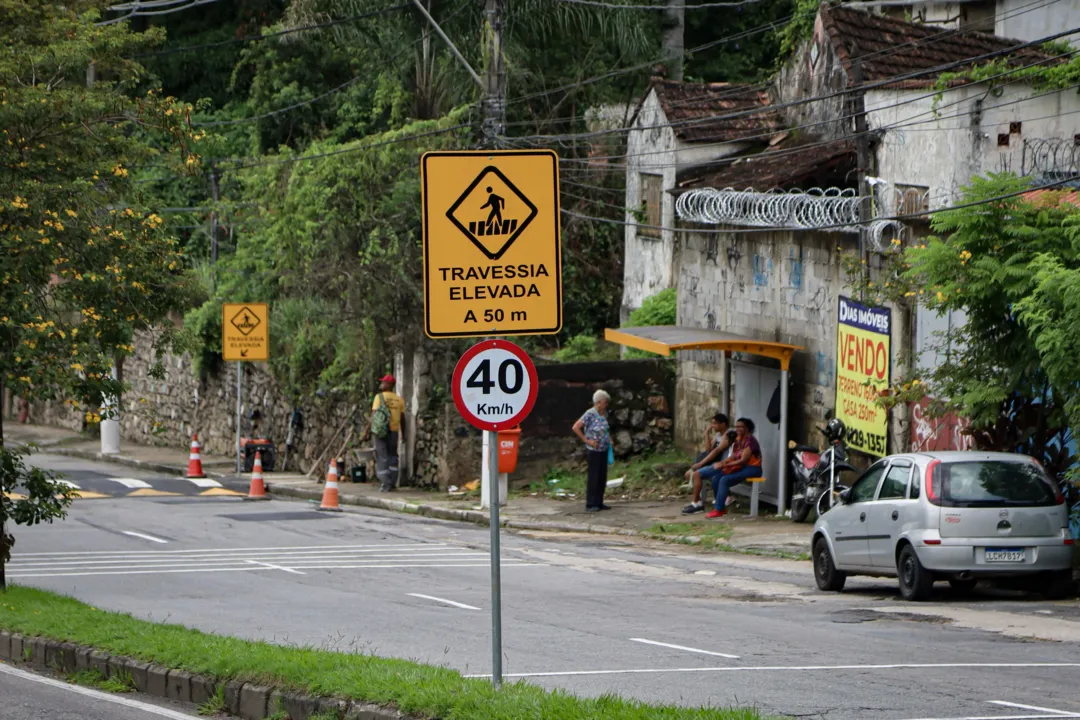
[318,111]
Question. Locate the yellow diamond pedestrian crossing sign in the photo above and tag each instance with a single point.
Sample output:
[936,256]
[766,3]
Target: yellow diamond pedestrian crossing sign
[492,245]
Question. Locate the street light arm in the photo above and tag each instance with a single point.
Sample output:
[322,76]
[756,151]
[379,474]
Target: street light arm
[449,43]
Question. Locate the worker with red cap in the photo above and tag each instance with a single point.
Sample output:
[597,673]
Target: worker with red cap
[387,414]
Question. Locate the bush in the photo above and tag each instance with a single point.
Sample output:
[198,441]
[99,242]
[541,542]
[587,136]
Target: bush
[658,309]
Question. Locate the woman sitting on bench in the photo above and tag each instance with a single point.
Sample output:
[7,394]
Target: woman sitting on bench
[744,462]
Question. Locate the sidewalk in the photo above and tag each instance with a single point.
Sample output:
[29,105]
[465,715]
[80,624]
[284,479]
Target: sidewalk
[171,461]
[765,534]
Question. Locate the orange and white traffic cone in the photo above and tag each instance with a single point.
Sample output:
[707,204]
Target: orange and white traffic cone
[330,492]
[194,465]
[257,491]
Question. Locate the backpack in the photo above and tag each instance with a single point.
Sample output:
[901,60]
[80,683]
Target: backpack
[380,418]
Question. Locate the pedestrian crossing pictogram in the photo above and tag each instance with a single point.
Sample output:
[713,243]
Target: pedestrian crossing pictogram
[492,212]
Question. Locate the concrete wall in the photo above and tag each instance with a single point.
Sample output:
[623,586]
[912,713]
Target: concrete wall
[815,71]
[648,261]
[1024,22]
[965,132]
[779,286]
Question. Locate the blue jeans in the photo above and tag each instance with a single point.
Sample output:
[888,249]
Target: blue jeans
[721,484]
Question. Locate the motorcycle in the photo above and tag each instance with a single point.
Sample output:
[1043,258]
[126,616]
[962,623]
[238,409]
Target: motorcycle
[816,473]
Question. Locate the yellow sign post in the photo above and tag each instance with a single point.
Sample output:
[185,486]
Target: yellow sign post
[492,247]
[245,331]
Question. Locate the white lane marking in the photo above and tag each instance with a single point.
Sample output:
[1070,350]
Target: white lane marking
[683,647]
[95,694]
[69,484]
[225,550]
[789,668]
[275,567]
[151,538]
[1004,717]
[131,483]
[204,482]
[245,569]
[463,606]
[1036,708]
[108,564]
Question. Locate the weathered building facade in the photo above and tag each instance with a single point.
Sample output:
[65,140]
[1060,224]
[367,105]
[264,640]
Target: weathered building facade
[759,233]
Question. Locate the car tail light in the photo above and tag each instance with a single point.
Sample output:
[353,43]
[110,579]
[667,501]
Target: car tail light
[1069,541]
[931,542]
[931,491]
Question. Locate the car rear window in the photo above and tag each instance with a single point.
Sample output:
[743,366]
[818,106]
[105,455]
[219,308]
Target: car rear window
[993,484]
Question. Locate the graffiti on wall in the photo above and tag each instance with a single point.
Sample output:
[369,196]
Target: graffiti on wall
[937,434]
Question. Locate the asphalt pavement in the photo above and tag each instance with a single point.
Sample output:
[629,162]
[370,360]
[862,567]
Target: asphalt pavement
[589,614]
[35,696]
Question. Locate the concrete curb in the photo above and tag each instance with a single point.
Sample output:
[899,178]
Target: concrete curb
[129,462]
[245,700]
[441,513]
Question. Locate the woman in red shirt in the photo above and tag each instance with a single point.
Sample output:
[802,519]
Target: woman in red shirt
[743,462]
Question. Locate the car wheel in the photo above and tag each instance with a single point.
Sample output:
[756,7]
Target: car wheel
[825,573]
[1057,585]
[916,582]
[966,585]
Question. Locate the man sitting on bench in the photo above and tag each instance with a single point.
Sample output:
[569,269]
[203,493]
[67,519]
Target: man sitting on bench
[718,438]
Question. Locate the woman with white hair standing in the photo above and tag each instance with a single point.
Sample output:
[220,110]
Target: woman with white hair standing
[594,431]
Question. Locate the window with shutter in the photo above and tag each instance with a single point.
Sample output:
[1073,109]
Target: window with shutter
[652,189]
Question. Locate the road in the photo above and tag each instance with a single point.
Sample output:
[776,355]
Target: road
[34,696]
[589,614]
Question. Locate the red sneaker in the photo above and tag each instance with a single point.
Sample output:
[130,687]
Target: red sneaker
[713,514]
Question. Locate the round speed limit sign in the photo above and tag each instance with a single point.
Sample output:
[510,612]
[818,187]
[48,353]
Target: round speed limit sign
[494,385]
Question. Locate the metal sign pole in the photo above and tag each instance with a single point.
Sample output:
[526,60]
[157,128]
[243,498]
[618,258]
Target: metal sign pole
[239,374]
[496,574]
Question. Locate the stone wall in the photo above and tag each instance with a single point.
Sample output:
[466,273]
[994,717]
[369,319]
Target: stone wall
[440,448]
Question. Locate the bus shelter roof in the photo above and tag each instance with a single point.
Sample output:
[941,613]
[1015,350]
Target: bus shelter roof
[664,339]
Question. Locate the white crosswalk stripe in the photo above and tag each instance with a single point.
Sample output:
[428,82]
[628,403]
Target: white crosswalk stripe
[298,560]
[132,483]
[204,482]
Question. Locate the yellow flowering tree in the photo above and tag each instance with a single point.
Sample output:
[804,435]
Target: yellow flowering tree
[997,369]
[83,264]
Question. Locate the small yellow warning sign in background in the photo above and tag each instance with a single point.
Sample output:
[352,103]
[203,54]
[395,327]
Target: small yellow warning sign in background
[492,248]
[245,331]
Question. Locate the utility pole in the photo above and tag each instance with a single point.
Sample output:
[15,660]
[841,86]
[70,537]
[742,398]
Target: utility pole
[214,193]
[862,159]
[674,27]
[493,128]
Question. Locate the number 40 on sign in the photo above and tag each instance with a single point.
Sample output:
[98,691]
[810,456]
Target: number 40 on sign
[494,385]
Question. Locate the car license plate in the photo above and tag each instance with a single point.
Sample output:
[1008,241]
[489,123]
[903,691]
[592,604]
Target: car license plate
[1004,555]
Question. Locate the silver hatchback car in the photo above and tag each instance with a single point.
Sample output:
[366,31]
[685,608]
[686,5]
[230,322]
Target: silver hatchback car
[956,516]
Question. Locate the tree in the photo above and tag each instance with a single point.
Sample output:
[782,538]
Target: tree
[1007,264]
[85,265]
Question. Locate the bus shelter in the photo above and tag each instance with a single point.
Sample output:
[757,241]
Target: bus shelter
[666,339]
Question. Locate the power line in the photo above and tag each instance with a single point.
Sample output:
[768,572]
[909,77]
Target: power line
[328,93]
[770,134]
[342,151]
[137,12]
[838,93]
[624,6]
[267,36]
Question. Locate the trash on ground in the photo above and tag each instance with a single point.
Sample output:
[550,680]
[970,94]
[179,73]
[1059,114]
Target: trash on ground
[472,484]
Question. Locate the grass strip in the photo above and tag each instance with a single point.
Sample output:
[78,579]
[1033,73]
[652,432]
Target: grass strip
[414,688]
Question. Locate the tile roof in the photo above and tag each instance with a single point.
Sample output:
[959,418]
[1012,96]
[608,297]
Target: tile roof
[693,110]
[1051,197]
[830,164]
[888,47]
